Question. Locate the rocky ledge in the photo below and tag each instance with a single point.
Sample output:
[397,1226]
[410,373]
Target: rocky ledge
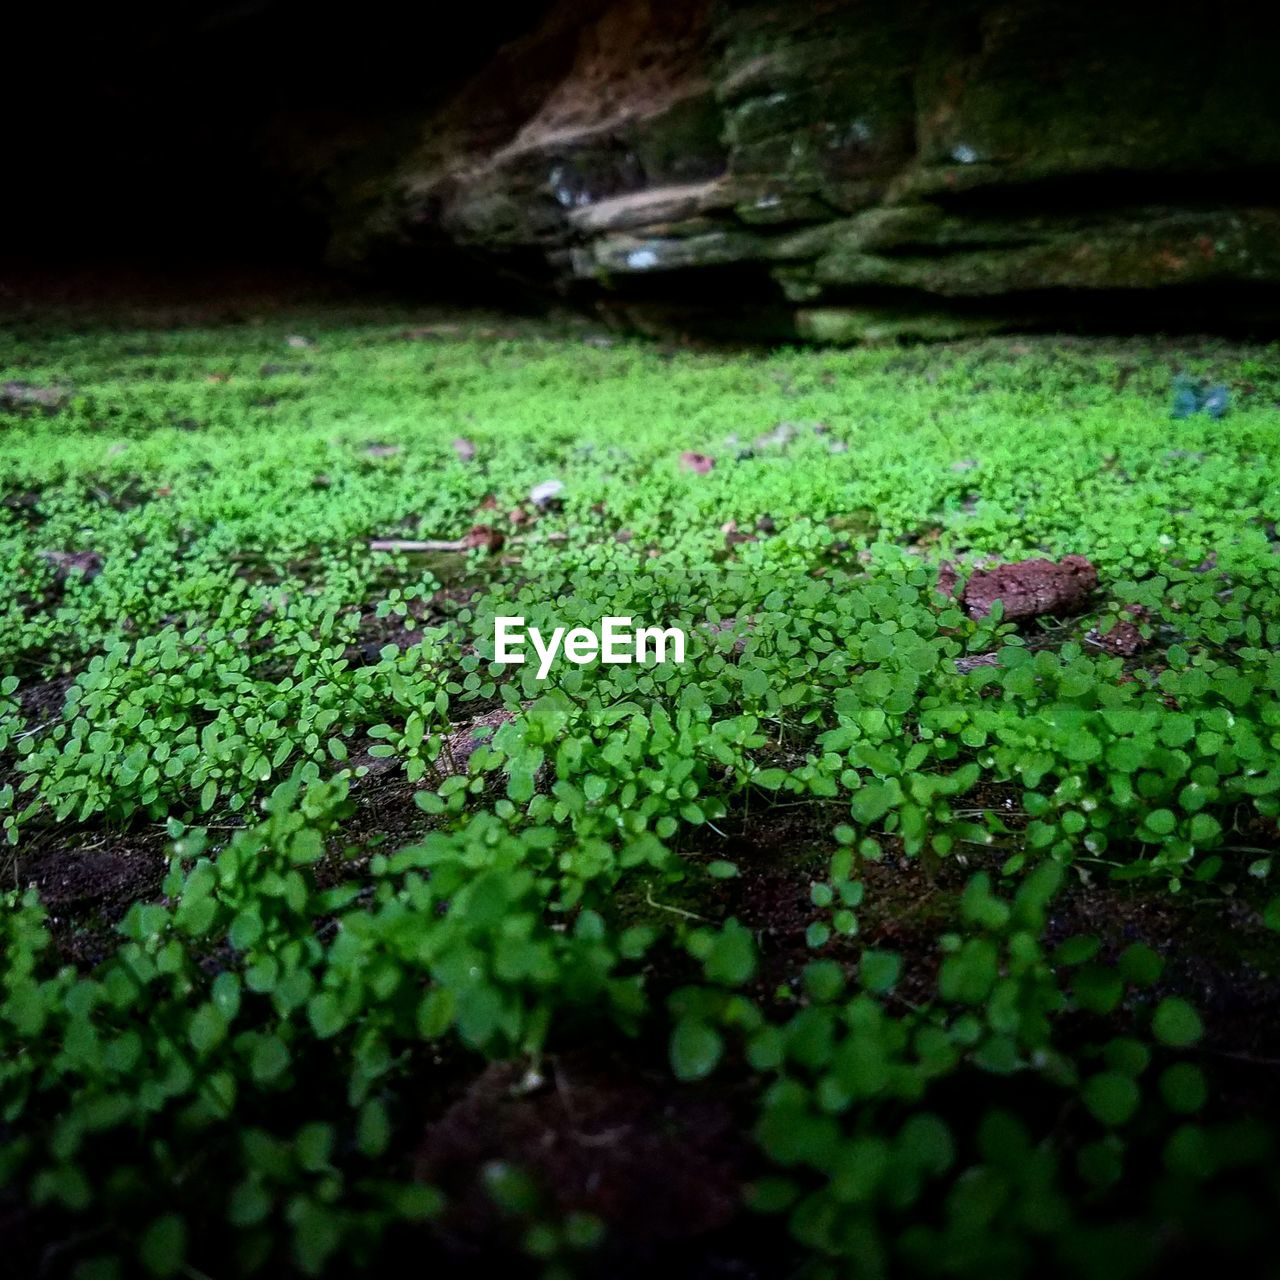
[844,170]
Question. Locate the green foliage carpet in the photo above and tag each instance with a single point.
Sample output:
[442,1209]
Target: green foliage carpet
[975,961]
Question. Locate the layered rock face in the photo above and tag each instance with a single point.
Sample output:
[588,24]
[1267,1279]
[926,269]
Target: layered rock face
[851,169]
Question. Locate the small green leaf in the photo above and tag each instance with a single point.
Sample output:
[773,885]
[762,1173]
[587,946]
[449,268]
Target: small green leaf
[879,970]
[324,1012]
[695,1049]
[1183,1088]
[269,1060]
[823,980]
[163,1245]
[313,1145]
[373,1130]
[1112,1097]
[207,1030]
[1176,1023]
[732,958]
[1140,964]
[817,935]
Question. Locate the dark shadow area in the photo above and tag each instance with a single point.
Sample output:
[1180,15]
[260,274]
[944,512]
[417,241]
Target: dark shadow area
[1233,309]
[138,132]
[1102,193]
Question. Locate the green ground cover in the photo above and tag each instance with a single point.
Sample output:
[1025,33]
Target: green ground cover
[973,964]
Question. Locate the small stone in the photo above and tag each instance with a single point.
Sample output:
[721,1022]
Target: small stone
[297,342]
[545,494]
[464,449]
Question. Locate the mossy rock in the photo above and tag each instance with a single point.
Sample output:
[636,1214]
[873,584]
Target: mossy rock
[831,152]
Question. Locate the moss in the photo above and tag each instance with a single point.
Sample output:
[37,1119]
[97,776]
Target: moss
[849,326]
[682,144]
[1055,88]
[1011,256]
